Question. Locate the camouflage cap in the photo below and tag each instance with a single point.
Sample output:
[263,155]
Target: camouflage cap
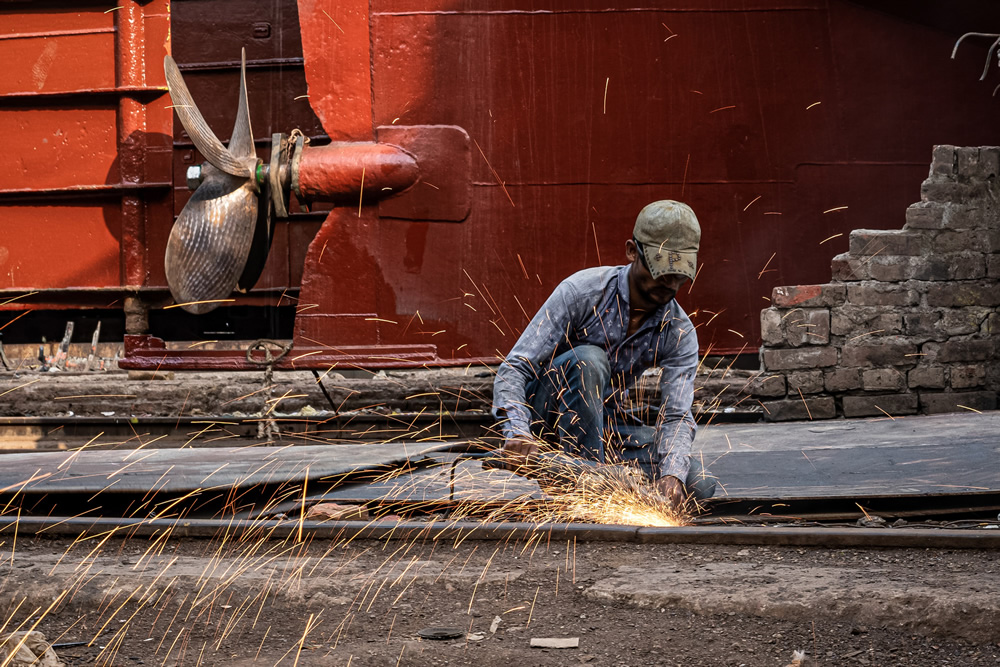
[669,235]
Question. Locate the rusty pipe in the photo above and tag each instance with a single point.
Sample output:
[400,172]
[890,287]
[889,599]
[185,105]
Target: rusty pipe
[937,538]
[352,172]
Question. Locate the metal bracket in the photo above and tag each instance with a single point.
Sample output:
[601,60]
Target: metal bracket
[279,173]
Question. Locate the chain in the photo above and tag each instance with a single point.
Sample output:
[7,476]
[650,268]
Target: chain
[267,428]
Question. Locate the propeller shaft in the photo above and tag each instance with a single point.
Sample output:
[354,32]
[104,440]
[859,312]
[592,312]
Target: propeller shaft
[341,171]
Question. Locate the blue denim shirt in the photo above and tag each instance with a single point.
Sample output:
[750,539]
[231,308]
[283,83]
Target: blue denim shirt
[591,308]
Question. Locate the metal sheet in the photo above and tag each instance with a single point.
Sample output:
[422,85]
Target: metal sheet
[760,116]
[89,141]
[40,63]
[54,254]
[171,471]
[49,144]
[905,470]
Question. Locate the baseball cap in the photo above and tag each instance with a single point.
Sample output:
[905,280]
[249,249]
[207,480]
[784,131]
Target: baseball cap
[668,235]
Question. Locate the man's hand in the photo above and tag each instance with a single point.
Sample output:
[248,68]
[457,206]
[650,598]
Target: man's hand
[672,489]
[517,451]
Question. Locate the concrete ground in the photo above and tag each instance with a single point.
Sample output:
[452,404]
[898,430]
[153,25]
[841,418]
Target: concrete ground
[239,598]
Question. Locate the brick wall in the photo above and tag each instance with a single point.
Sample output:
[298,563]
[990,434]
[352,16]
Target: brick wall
[909,322]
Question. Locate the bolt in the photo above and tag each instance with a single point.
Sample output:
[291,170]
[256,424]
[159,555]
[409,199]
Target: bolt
[261,30]
[194,176]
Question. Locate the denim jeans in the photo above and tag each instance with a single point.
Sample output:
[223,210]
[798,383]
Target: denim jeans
[567,405]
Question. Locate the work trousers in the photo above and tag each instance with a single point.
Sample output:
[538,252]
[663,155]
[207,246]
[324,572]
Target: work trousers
[567,404]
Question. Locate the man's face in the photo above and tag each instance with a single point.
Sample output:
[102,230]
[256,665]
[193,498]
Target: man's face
[653,291]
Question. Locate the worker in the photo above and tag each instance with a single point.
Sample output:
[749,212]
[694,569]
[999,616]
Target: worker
[572,377]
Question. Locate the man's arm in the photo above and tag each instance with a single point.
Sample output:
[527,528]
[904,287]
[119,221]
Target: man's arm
[536,345]
[675,426]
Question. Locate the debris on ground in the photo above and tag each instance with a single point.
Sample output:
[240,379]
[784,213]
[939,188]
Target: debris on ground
[336,512]
[872,521]
[798,659]
[21,649]
[555,642]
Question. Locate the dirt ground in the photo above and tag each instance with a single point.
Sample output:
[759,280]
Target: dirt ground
[239,600]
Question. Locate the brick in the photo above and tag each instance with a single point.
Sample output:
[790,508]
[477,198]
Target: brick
[843,379]
[808,382]
[925,215]
[929,352]
[767,385]
[808,296]
[871,406]
[886,354]
[771,330]
[989,162]
[943,160]
[922,322]
[967,266]
[883,379]
[945,190]
[975,349]
[807,327]
[805,357]
[953,266]
[963,294]
[993,240]
[890,269]
[993,266]
[795,327]
[845,268]
[962,321]
[975,163]
[969,215]
[796,409]
[854,321]
[926,377]
[873,294]
[950,240]
[866,242]
[992,325]
[967,162]
[993,377]
[957,401]
[967,376]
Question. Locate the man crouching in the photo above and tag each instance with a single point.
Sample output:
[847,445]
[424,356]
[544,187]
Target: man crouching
[572,375]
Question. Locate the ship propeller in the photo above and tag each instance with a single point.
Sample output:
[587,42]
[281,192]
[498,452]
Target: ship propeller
[224,222]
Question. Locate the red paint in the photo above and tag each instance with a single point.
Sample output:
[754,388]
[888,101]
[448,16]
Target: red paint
[342,171]
[338,68]
[56,255]
[789,297]
[83,119]
[576,117]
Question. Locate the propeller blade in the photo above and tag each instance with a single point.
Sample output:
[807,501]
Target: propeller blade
[261,245]
[201,134]
[209,244]
[241,141]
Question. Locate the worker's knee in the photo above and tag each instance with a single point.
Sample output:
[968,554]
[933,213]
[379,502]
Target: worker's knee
[589,363]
